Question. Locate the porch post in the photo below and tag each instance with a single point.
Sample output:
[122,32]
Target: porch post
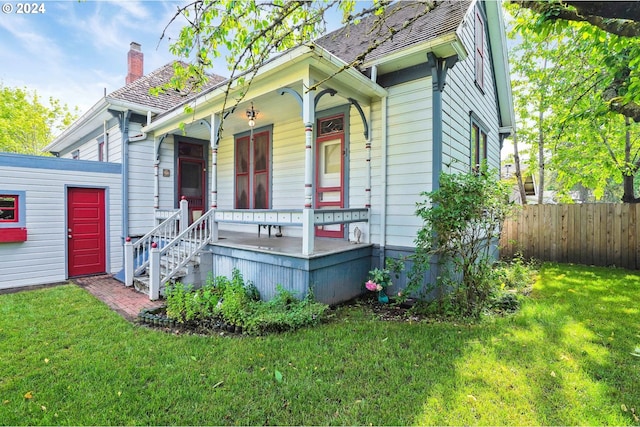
[128,262]
[367,190]
[184,214]
[308,117]
[154,272]
[215,125]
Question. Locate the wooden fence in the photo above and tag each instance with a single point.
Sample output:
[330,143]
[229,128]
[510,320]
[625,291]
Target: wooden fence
[590,233]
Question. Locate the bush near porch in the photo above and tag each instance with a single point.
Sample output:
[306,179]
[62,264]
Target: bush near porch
[569,357]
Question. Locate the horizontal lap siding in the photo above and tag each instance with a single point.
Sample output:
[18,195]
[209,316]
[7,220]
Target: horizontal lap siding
[409,157]
[141,176]
[375,127]
[42,258]
[460,97]
[166,184]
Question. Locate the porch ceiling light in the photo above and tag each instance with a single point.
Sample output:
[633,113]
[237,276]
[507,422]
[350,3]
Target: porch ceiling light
[251,115]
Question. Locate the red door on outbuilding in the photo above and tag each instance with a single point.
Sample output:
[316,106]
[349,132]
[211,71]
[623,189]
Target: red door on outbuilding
[86,231]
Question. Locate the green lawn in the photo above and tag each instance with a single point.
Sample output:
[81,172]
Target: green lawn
[564,359]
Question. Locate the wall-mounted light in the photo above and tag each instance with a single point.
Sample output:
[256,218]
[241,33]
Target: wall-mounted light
[251,115]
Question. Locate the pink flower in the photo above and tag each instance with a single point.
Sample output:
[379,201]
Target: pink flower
[371,286]
[378,288]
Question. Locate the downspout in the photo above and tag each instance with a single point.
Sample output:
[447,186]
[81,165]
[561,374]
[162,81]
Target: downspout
[124,129]
[156,173]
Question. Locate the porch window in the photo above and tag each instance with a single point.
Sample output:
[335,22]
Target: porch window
[9,208]
[253,166]
[478,146]
[479,49]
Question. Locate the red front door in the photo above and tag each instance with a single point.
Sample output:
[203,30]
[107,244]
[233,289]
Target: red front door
[330,171]
[86,231]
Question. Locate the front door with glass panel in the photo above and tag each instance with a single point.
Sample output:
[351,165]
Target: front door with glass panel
[191,178]
[330,171]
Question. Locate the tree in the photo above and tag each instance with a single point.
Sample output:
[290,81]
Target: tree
[590,85]
[252,31]
[461,223]
[621,20]
[27,125]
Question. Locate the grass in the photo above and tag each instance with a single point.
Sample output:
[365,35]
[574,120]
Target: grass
[564,359]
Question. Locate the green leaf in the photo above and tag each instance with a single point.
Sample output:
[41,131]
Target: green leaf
[278,376]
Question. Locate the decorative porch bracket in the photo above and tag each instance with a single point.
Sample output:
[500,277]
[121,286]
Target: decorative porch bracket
[364,120]
[293,93]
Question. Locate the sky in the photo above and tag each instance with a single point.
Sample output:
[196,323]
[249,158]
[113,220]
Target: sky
[72,50]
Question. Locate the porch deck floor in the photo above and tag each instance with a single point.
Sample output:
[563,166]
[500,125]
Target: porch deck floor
[286,245]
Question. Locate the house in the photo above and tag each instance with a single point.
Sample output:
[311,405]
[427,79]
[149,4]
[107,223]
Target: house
[308,189]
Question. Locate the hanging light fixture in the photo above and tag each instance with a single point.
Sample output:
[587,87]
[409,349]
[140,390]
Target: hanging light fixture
[251,115]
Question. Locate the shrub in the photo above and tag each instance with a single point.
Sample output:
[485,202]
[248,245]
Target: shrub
[461,223]
[238,303]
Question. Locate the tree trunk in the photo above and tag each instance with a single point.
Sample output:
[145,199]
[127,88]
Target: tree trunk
[628,176]
[540,157]
[516,160]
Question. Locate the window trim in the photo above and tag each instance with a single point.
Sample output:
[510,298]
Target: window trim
[479,141]
[15,208]
[252,173]
[479,52]
[14,230]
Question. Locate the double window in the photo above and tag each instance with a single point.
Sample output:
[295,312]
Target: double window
[252,171]
[478,145]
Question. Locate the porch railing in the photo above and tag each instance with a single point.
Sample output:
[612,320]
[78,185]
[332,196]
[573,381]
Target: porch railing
[165,262]
[170,246]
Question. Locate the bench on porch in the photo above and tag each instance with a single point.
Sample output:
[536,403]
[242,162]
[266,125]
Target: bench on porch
[268,227]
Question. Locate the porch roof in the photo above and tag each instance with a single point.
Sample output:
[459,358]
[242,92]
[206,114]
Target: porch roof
[311,60]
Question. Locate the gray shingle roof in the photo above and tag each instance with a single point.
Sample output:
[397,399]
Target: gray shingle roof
[350,41]
[138,91]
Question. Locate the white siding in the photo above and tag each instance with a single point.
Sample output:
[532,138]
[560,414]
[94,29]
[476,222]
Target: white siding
[167,183]
[409,157]
[462,96]
[42,258]
[141,187]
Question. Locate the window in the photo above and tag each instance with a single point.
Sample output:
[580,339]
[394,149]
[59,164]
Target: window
[479,50]
[101,151]
[478,146]
[253,166]
[9,208]
[12,216]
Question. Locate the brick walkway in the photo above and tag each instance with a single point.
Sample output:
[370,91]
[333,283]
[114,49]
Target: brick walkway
[126,301]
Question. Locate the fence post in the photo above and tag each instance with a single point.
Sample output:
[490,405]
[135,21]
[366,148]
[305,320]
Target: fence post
[128,262]
[154,272]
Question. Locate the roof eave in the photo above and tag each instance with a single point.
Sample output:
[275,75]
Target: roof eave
[498,42]
[287,59]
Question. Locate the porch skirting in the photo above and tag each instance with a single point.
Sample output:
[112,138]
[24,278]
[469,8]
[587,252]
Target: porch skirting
[333,277]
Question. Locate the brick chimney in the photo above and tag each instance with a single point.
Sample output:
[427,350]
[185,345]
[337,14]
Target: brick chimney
[135,63]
